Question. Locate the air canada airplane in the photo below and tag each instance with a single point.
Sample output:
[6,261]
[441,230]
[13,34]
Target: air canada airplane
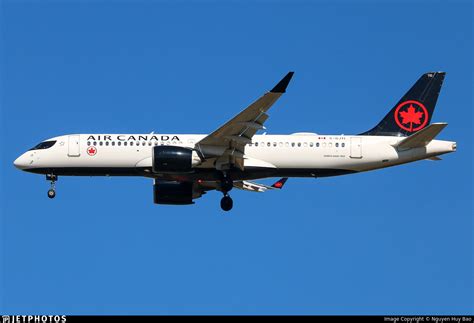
[184,167]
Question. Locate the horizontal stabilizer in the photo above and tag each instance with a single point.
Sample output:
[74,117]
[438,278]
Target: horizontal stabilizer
[422,137]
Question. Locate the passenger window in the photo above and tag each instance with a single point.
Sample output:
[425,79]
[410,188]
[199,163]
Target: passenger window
[100,143]
[119,143]
[256,144]
[337,144]
[131,143]
[149,143]
[324,144]
[299,144]
[343,144]
[95,143]
[268,144]
[106,143]
[305,144]
[274,144]
[292,144]
[280,144]
[88,143]
[113,143]
[311,144]
[317,144]
[287,144]
[330,145]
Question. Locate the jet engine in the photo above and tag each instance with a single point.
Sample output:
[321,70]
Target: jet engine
[178,193]
[172,159]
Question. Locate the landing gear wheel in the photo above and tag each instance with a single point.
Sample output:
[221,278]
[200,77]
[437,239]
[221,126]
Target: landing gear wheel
[227,203]
[53,178]
[51,193]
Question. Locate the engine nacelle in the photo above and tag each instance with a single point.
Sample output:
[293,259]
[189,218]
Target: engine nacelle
[177,193]
[172,159]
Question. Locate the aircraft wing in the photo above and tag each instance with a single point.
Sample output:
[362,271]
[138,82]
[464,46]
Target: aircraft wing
[227,143]
[256,187]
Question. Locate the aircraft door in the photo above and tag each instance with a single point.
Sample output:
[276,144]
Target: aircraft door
[74,146]
[356,147]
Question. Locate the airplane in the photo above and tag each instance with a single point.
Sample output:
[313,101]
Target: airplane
[184,166]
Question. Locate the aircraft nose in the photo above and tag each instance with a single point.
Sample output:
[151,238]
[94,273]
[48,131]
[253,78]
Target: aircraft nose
[21,162]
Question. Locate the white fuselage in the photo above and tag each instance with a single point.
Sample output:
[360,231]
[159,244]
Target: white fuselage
[301,154]
[184,167]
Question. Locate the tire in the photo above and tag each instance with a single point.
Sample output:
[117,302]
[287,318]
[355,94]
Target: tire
[51,193]
[227,203]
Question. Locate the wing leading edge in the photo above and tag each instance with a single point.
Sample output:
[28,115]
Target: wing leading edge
[227,143]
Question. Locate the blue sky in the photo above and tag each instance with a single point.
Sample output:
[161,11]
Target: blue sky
[395,241]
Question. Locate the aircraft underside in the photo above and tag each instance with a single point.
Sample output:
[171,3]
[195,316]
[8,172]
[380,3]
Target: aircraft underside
[197,174]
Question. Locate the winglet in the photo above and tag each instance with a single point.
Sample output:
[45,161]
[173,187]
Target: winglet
[283,84]
[279,184]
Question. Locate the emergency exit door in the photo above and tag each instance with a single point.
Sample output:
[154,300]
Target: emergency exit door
[356,147]
[74,149]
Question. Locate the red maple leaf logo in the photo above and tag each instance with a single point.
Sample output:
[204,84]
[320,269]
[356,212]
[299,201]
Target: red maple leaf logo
[91,151]
[278,184]
[411,116]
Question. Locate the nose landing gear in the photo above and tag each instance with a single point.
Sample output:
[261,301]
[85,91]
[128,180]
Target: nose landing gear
[52,190]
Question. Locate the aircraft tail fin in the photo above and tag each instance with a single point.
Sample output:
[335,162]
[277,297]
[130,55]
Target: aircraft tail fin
[414,110]
[279,184]
[422,137]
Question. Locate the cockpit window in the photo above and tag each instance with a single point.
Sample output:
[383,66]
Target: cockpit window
[44,145]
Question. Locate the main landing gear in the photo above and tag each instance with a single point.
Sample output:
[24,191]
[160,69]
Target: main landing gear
[52,190]
[226,185]
[227,203]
